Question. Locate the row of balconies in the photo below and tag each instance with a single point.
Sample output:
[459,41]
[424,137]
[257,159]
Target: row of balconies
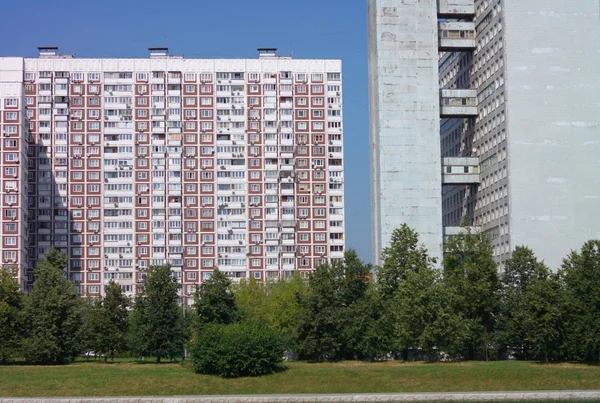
[456,36]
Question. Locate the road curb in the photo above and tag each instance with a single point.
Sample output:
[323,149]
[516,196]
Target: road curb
[333,398]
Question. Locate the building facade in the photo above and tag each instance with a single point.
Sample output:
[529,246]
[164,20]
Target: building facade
[128,163]
[520,136]
[404,116]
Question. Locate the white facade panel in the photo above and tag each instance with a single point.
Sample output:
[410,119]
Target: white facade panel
[404,104]
[553,93]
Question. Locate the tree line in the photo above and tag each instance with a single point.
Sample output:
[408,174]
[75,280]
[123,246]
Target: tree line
[409,308]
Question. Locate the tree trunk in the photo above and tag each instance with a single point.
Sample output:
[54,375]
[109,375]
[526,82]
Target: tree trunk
[105,358]
[158,359]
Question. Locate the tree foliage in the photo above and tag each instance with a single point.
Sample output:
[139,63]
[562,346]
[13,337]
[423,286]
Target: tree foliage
[156,321]
[105,323]
[581,274]
[403,256]
[11,303]
[247,348]
[530,317]
[214,301]
[53,314]
[335,292]
[417,306]
[275,303]
[466,311]
[472,275]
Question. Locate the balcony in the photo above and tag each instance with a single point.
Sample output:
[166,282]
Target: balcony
[458,103]
[456,9]
[288,242]
[287,204]
[456,36]
[336,242]
[460,171]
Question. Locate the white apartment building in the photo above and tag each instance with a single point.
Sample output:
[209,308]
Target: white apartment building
[128,163]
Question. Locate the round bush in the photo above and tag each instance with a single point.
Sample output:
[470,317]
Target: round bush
[247,348]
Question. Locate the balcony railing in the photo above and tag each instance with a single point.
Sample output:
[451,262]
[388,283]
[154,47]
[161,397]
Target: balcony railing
[456,36]
[456,9]
[458,103]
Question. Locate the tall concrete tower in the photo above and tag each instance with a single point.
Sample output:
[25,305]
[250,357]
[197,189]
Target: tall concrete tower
[404,95]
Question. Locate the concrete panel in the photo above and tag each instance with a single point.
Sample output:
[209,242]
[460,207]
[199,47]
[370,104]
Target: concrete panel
[553,93]
[404,111]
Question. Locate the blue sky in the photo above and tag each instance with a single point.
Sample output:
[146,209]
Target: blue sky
[214,29]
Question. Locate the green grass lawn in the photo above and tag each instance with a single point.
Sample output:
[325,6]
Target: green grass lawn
[144,379]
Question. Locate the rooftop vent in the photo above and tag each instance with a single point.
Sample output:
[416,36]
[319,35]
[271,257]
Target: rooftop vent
[158,52]
[51,52]
[265,53]
[48,51]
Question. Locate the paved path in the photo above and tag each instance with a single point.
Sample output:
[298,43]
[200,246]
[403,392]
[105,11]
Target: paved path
[331,398]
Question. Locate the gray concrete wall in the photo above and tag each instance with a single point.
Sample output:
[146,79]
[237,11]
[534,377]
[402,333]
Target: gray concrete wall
[553,97]
[404,113]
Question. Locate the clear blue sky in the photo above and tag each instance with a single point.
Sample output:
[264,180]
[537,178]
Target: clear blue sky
[218,29]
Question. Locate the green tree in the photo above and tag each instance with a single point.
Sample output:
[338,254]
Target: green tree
[250,298]
[404,255]
[581,274]
[414,310]
[545,319]
[276,303]
[529,320]
[324,316]
[157,320]
[246,348]
[320,322]
[417,315]
[214,302]
[362,310]
[471,273]
[11,303]
[105,322]
[136,333]
[282,306]
[53,314]
[362,328]
[445,326]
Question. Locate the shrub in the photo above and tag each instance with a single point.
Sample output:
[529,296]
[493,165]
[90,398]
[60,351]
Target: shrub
[247,348]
